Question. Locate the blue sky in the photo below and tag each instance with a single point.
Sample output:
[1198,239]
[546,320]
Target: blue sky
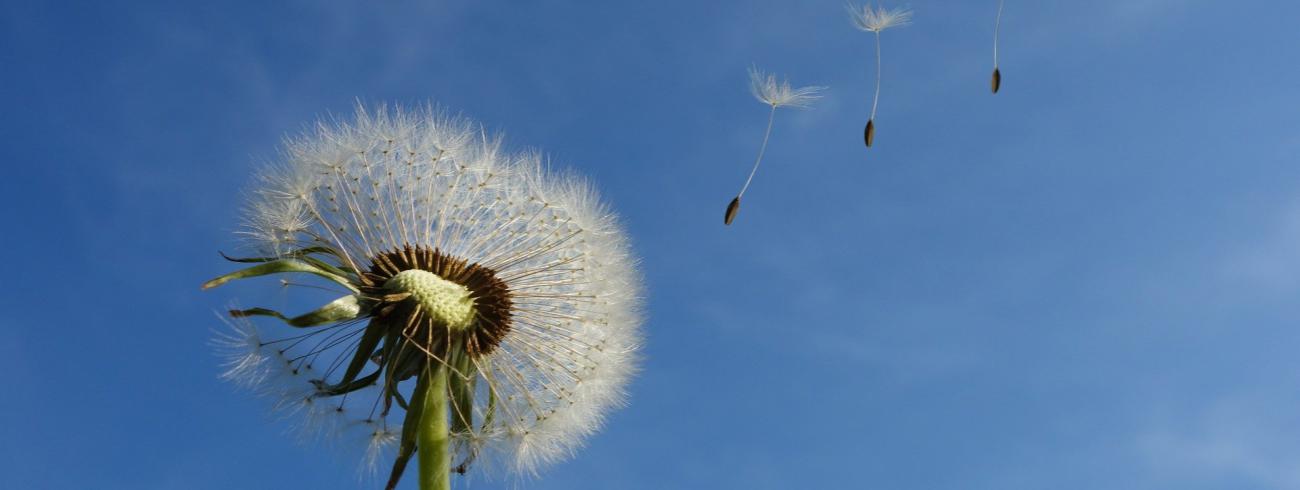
[1089,280]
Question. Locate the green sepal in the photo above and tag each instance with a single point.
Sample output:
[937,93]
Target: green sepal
[408,367]
[490,414]
[304,255]
[409,364]
[401,400]
[348,386]
[291,254]
[461,380]
[282,266]
[326,266]
[344,308]
[410,429]
[389,361]
[365,350]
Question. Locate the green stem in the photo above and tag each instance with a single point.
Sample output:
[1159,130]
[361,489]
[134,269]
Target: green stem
[432,440]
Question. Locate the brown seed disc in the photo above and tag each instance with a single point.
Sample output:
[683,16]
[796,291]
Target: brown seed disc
[492,299]
[732,209]
[870,133]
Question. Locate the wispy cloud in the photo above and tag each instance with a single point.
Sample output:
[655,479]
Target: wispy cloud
[1247,439]
[1269,263]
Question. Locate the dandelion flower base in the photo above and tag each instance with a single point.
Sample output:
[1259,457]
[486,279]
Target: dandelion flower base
[444,301]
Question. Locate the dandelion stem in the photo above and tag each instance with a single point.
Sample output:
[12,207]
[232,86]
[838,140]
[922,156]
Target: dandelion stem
[762,148]
[432,440]
[876,100]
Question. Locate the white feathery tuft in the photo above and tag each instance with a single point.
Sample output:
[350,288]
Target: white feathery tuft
[877,19]
[768,90]
[246,362]
[380,442]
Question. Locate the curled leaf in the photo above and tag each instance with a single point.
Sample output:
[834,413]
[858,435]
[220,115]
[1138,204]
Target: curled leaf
[345,308]
[997,79]
[323,389]
[869,134]
[281,266]
[292,254]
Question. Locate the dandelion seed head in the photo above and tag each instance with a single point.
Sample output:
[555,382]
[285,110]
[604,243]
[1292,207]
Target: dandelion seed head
[517,278]
[876,19]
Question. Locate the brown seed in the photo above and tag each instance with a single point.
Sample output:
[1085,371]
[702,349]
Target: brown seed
[997,79]
[870,133]
[731,211]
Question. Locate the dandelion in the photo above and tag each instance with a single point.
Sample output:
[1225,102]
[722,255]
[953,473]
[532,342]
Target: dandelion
[768,90]
[997,27]
[875,20]
[489,308]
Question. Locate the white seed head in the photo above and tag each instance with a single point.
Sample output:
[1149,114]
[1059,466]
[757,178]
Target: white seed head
[391,179]
[877,19]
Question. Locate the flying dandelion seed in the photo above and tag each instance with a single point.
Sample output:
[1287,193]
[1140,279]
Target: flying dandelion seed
[997,28]
[493,303]
[769,91]
[875,20]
